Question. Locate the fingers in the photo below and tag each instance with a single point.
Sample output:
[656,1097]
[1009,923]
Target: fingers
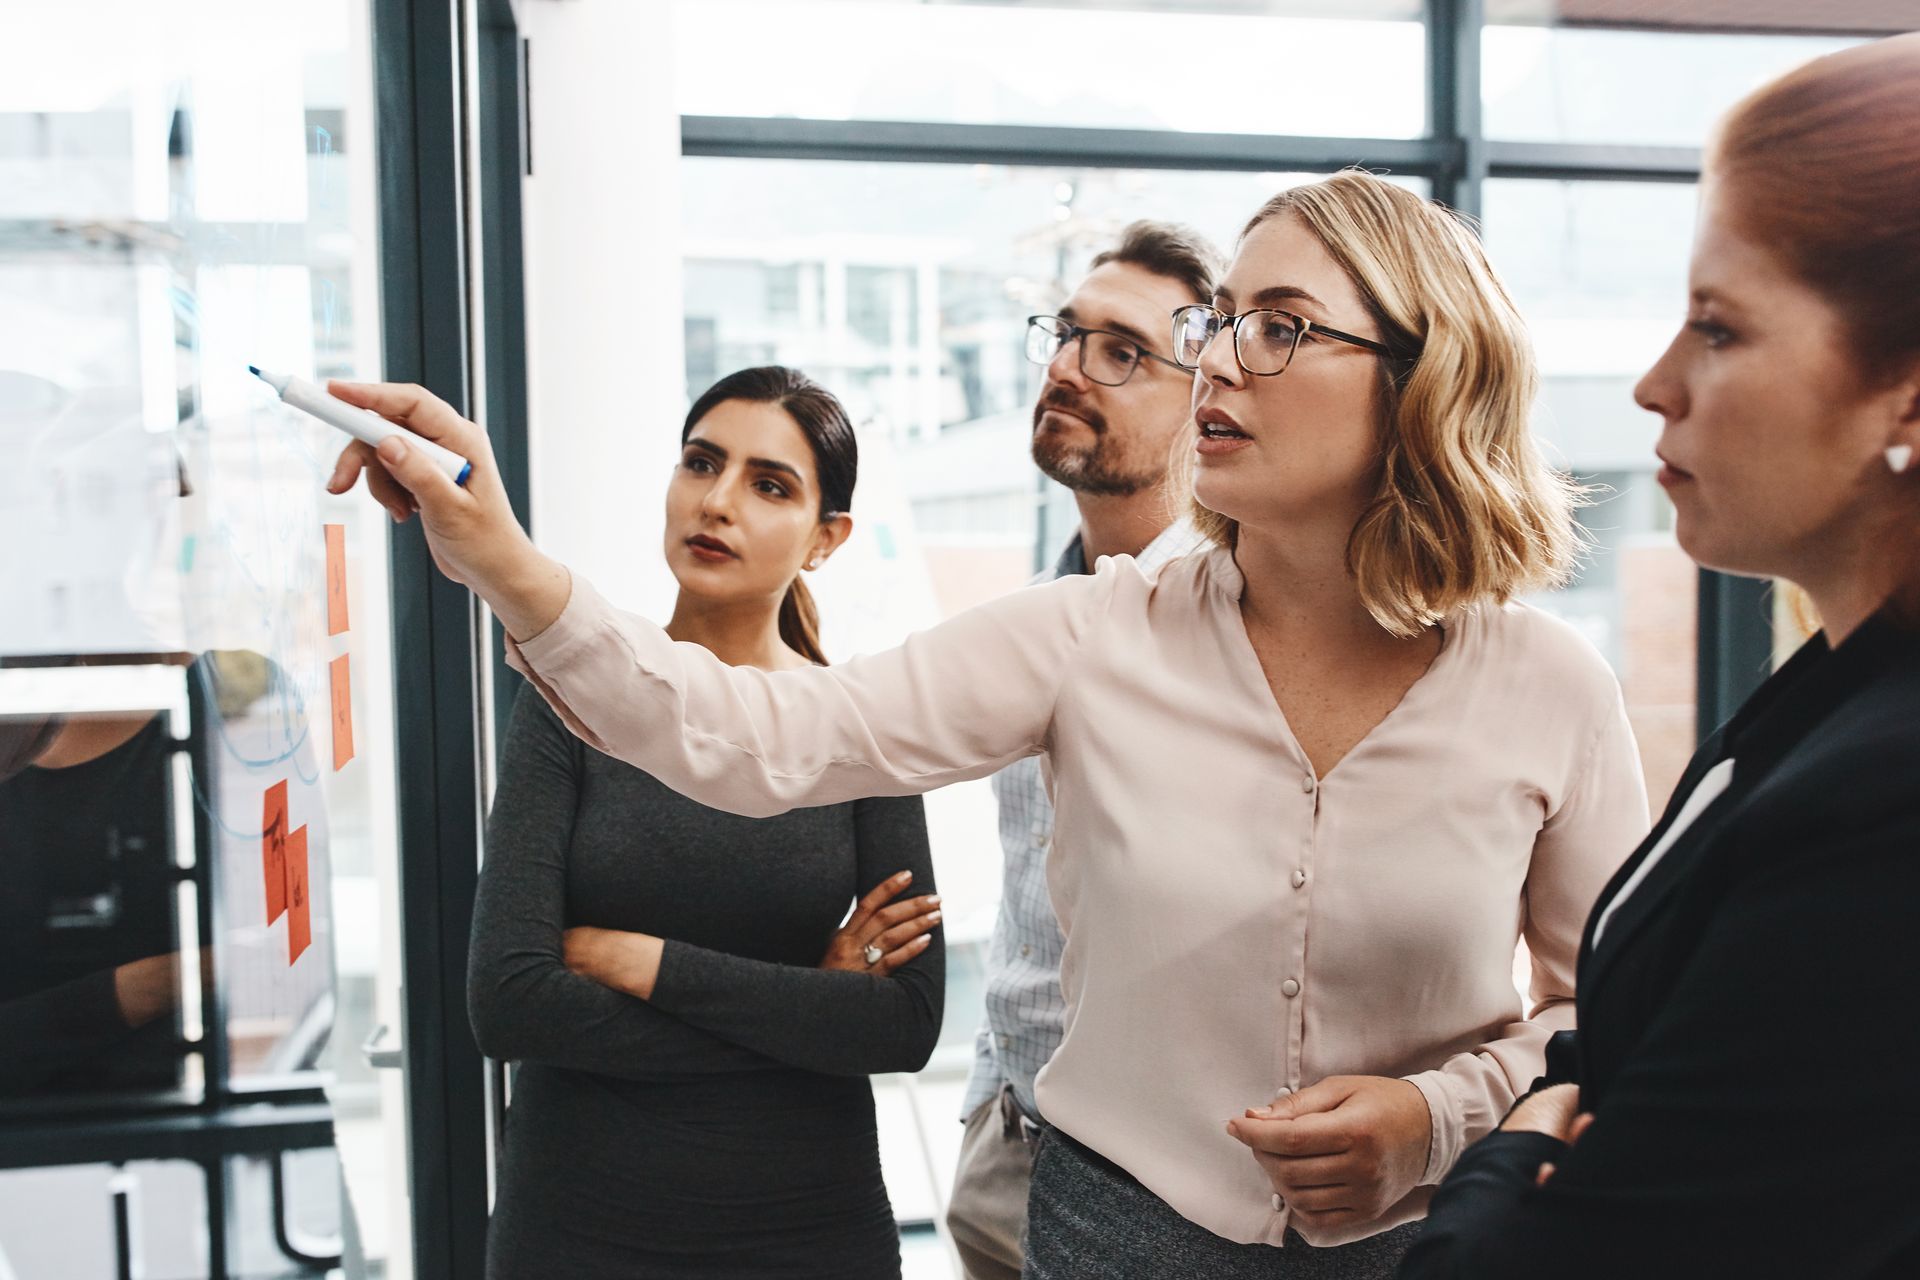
[902,912]
[1324,1095]
[1581,1123]
[413,476]
[413,407]
[1550,1111]
[878,897]
[1312,1135]
[1545,1175]
[389,493]
[353,459]
[904,955]
[425,483]
[901,934]
[1319,1202]
[1298,1172]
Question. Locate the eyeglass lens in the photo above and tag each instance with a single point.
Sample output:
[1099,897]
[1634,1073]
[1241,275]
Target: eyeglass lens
[1263,340]
[1104,357]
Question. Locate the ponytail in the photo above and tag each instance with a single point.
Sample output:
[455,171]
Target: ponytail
[800,623]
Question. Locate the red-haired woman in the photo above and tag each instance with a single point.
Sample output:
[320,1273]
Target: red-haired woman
[1741,1096]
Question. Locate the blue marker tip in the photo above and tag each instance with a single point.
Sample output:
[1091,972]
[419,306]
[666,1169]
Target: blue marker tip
[254,369]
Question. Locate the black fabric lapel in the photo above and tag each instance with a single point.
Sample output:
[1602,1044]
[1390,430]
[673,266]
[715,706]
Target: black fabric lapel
[1780,714]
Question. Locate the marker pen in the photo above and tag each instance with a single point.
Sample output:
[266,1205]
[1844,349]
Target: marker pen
[361,424]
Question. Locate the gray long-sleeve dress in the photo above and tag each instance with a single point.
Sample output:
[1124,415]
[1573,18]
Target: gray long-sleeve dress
[725,1127]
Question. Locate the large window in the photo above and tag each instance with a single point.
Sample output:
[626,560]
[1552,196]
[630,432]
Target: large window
[1598,268]
[1588,85]
[201,823]
[1096,65]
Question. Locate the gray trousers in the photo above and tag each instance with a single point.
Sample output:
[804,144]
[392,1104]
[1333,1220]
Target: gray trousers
[1088,1219]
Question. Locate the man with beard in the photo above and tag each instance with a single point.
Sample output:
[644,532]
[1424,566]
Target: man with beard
[1110,413]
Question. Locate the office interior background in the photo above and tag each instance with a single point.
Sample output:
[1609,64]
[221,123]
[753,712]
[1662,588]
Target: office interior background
[568,217]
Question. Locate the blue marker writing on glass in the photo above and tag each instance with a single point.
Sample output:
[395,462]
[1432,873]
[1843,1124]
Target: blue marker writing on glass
[361,424]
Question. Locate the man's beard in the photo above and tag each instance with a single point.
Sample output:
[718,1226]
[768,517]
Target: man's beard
[1091,469]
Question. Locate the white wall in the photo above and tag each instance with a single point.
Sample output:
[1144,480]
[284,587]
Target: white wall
[604,328]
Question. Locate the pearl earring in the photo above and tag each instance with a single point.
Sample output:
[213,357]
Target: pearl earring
[1898,457]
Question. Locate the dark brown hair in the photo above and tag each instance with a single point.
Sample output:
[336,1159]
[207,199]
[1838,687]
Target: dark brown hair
[1167,249]
[836,462]
[1823,166]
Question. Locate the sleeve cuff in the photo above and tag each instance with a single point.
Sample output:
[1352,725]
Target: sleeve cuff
[1444,1128]
[547,653]
[585,610]
[1519,1155]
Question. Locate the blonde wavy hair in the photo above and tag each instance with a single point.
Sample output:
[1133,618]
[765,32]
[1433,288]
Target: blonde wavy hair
[1467,509]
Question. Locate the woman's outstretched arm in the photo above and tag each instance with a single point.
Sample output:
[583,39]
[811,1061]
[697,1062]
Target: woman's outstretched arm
[959,701]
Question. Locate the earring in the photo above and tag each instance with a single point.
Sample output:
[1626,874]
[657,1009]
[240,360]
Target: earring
[1898,457]
[813,564]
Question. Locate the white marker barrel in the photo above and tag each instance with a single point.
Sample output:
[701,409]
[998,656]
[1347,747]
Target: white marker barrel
[361,424]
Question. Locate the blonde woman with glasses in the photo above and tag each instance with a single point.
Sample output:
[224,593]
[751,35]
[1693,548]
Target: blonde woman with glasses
[1312,784]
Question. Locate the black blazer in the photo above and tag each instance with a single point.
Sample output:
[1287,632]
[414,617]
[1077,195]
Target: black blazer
[1749,1025]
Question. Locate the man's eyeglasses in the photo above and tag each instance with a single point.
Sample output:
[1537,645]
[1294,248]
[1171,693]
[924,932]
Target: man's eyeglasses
[1106,357]
[1264,342]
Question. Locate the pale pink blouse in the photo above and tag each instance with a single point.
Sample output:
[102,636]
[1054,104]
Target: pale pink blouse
[1235,926]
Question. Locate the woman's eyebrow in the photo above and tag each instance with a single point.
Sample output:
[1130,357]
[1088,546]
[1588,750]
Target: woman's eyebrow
[1285,293]
[759,464]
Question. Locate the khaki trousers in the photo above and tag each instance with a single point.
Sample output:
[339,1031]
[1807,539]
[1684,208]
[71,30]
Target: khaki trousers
[987,1213]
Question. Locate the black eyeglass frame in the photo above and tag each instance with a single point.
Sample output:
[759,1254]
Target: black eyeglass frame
[1077,332]
[1301,328]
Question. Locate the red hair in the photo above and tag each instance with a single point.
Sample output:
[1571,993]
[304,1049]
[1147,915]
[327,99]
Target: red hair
[1824,166]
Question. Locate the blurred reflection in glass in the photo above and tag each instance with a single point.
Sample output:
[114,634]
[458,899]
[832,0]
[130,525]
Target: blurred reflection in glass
[90,972]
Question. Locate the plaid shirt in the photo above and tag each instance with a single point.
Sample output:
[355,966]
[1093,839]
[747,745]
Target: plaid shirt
[1026,1014]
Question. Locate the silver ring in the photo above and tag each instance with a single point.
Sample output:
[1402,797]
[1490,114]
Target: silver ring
[874,955]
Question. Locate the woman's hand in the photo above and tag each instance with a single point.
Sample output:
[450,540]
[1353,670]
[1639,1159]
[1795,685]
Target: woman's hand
[1554,1111]
[471,529]
[628,962]
[1341,1151]
[897,933]
[144,989]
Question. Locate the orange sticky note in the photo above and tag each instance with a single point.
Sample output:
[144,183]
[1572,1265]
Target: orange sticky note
[342,713]
[273,850]
[336,578]
[299,895]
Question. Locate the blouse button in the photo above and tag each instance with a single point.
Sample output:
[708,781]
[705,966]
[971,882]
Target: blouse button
[1299,877]
[1290,988]
[1278,1203]
[1306,783]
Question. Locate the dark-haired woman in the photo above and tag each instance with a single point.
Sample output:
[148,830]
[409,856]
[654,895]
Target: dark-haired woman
[1741,1099]
[692,1098]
